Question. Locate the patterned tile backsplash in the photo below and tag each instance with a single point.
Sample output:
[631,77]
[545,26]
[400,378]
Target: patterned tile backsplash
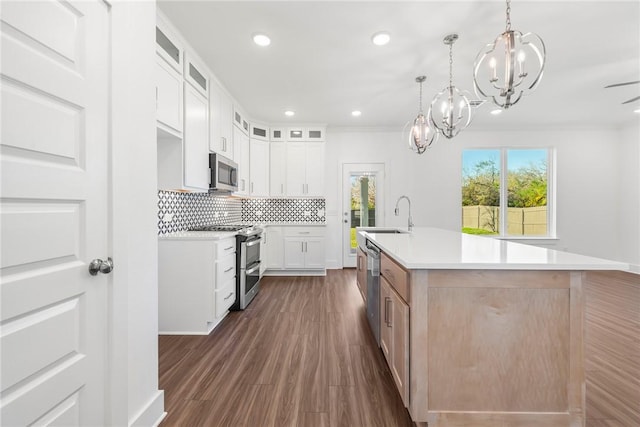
[189,210]
[283,211]
[195,209]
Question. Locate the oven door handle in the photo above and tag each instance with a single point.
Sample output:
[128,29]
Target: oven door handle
[255,267]
[253,242]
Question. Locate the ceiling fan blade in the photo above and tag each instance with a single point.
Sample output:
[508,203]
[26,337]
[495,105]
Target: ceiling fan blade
[631,100]
[622,84]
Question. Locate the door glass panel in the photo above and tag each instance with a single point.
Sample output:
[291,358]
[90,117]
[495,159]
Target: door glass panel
[363,204]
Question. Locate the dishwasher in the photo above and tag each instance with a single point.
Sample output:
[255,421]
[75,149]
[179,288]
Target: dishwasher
[373,289]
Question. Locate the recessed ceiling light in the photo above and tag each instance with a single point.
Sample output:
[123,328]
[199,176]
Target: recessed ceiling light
[289,113]
[381,38]
[356,113]
[261,39]
[496,111]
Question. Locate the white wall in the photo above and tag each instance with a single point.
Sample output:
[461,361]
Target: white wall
[589,171]
[629,193]
[134,398]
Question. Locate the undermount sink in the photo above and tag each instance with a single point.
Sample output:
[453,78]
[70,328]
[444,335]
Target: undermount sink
[382,230]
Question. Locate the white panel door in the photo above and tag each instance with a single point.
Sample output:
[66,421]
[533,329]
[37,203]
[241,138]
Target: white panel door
[53,211]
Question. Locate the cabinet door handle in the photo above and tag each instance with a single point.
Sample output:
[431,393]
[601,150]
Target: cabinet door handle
[281,188]
[228,269]
[229,248]
[252,187]
[387,317]
[228,296]
[305,246]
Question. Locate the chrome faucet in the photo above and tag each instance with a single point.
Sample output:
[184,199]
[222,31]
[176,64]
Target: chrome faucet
[397,211]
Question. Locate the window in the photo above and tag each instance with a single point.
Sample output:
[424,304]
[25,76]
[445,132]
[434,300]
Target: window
[519,179]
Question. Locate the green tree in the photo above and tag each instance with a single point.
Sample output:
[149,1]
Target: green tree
[482,185]
[527,187]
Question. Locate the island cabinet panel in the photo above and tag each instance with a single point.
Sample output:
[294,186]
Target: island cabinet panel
[496,348]
[394,322]
[612,347]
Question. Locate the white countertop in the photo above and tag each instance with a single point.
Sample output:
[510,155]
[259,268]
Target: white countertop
[433,248]
[197,235]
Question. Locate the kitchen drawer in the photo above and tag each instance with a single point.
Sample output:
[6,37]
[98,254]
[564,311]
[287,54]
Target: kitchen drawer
[315,231]
[397,276]
[225,297]
[225,247]
[225,270]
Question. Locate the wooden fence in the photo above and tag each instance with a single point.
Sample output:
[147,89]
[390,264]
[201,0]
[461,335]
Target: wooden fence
[520,221]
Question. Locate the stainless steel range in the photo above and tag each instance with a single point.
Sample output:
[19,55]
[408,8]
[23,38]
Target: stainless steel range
[248,238]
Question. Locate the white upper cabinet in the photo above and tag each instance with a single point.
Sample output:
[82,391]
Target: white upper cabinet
[241,156]
[239,119]
[278,134]
[169,98]
[295,134]
[278,169]
[195,74]
[168,45]
[221,110]
[314,134]
[196,139]
[305,169]
[259,167]
[303,133]
[259,132]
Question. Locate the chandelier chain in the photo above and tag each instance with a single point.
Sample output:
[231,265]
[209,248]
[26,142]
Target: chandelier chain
[451,65]
[508,15]
[420,104]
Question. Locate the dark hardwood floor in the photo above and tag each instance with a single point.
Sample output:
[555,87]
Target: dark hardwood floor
[302,354]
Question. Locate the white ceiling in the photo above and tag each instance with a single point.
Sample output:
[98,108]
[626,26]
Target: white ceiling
[321,62]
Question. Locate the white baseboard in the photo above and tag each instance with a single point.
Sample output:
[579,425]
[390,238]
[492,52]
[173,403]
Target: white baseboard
[295,272]
[152,414]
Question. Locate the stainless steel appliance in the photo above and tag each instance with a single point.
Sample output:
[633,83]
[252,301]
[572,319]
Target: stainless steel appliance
[373,289]
[224,174]
[248,239]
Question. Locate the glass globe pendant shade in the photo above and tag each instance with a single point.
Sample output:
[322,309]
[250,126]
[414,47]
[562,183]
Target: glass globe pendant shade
[450,111]
[422,135]
[510,67]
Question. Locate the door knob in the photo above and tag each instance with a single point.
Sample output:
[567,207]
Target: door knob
[98,265]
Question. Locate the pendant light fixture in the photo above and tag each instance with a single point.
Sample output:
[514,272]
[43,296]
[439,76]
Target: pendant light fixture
[422,135]
[450,110]
[510,66]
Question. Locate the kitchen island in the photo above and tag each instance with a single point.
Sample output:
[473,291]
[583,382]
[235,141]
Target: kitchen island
[484,332]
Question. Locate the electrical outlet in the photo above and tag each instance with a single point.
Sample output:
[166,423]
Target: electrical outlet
[168,217]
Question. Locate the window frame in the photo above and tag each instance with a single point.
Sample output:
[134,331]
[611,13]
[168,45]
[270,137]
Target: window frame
[551,192]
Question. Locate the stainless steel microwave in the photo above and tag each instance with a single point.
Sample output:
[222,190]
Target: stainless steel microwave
[224,173]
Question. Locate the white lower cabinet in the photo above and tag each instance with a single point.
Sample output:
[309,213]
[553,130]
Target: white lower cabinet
[304,248]
[274,248]
[196,284]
